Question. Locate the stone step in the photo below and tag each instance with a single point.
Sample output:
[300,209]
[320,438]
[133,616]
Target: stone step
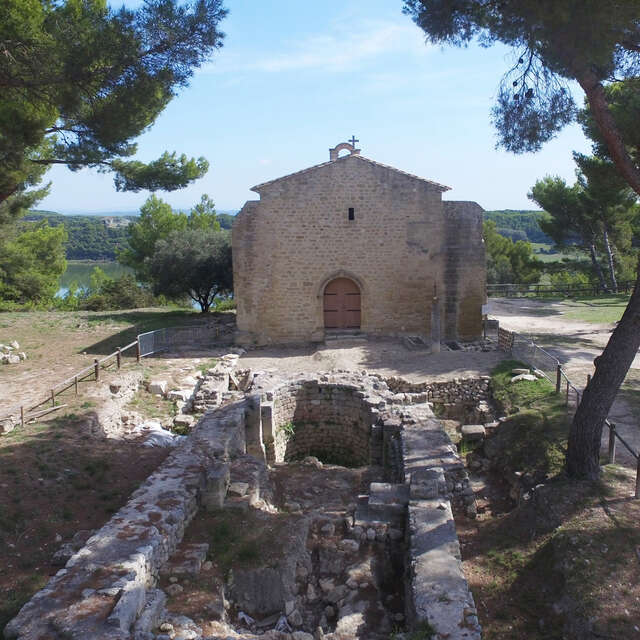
[186,561]
[366,515]
[386,493]
[248,483]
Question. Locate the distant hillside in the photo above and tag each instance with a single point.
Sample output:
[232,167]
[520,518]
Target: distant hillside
[97,237]
[519,225]
[90,237]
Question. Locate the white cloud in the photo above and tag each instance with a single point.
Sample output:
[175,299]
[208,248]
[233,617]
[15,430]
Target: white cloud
[344,49]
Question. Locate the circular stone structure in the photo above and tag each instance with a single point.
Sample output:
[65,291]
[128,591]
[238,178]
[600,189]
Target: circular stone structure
[332,422]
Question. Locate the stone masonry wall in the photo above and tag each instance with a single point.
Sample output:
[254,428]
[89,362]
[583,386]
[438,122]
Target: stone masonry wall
[465,270]
[326,418]
[399,247]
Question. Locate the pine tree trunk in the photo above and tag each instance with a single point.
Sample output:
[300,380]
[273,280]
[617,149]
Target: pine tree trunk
[597,268]
[583,454]
[612,269]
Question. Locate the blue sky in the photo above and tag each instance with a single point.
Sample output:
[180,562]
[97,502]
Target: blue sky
[295,78]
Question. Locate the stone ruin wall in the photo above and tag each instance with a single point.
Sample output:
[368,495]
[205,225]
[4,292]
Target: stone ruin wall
[326,419]
[107,590]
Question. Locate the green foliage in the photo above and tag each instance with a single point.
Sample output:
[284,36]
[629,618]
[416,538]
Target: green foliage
[596,214]
[225,220]
[89,237]
[80,100]
[195,262]
[516,224]
[554,41]
[157,222]
[569,278]
[108,294]
[31,264]
[169,172]
[224,304]
[623,99]
[508,261]
[533,438]
[288,429]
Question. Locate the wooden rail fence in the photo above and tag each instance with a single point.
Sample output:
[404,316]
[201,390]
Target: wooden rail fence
[541,290]
[145,344]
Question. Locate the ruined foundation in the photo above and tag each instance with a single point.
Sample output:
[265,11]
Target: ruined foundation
[338,568]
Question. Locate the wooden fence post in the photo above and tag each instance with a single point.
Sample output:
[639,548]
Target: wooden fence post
[22,416]
[75,382]
[118,356]
[567,403]
[558,378]
[612,444]
[96,366]
[53,398]
[588,379]
[138,350]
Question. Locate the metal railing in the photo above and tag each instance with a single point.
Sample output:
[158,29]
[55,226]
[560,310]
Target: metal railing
[165,339]
[526,350]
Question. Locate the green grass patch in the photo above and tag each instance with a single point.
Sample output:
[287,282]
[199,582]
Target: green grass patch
[14,598]
[233,544]
[533,438]
[600,310]
[208,364]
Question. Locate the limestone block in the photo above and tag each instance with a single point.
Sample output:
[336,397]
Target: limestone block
[473,431]
[184,420]
[238,489]
[518,372]
[150,615]
[179,394]
[158,386]
[218,478]
[522,377]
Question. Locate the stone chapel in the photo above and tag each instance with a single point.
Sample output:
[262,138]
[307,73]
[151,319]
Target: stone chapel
[352,244]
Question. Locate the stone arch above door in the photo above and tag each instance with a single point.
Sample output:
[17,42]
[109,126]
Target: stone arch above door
[341,304]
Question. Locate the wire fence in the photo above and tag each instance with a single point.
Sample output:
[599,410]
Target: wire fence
[172,337]
[145,344]
[527,351]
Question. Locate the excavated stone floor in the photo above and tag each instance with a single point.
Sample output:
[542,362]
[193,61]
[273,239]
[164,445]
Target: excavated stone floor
[335,576]
[242,534]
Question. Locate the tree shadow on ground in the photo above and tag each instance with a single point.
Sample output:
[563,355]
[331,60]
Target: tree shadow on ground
[145,321]
[533,307]
[58,479]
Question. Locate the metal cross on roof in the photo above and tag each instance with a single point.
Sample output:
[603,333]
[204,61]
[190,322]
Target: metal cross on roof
[353,141]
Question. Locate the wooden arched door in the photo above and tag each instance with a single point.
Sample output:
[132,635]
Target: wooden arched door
[342,304]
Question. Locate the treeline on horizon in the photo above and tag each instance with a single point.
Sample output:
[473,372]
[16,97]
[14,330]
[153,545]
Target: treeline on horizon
[93,237]
[519,225]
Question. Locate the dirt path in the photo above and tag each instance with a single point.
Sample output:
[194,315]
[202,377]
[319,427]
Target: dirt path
[387,357]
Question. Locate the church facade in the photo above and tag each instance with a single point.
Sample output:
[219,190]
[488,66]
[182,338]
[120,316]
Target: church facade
[352,244]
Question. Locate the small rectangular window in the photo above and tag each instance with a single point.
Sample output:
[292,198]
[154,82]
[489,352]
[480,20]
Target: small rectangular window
[352,213]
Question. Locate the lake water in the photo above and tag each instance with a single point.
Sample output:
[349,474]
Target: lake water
[79,271]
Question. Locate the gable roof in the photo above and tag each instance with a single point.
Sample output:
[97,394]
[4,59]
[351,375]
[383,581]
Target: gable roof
[438,186]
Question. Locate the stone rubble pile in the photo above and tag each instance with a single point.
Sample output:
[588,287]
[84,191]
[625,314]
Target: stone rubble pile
[9,353]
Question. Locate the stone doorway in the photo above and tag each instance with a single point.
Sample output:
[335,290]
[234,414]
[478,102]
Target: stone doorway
[342,304]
